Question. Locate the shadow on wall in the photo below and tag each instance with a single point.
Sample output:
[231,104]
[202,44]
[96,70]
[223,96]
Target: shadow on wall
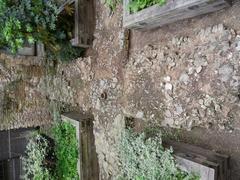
[12,146]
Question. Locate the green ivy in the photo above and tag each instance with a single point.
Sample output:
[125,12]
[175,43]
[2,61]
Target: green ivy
[143,158]
[41,163]
[33,164]
[66,151]
[27,21]
[137,5]
[65,53]
[31,21]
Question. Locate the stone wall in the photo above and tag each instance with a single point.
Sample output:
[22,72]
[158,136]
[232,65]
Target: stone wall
[21,104]
[187,81]
[30,89]
[183,82]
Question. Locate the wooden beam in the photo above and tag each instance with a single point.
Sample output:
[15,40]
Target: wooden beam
[172,11]
[206,173]
[198,153]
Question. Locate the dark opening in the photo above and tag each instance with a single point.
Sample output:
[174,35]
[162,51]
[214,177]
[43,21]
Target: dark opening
[129,122]
[4,170]
[135,124]
[104,95]
[89,160]
[12,147]
[193,7]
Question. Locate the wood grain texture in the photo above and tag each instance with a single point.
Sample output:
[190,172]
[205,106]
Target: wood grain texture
[172,11]
[88,167]
[218,162]
[206,173]
[84,23]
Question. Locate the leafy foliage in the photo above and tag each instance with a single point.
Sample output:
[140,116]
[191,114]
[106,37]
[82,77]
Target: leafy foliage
[137,5]
[41,164]
[27,21]
[33,163]
[66,151]
[145,158]
[31,21]
[64,51]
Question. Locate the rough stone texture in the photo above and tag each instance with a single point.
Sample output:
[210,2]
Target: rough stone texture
[188,77]
[21,105]
[106,88]
[201,89]
[178,81]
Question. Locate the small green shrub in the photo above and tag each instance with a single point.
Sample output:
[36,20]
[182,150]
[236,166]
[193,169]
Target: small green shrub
[137,5]
[65,53]
[145,158]
[33,163]
[27,21]
[66,151]
[30,21]
[41,164]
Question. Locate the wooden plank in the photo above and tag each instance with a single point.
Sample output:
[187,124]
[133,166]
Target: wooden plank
[27,51]
[178,13]
[171,12]
[169,18]
[40,50]
[88,165]
[204,172]
[201,160]
[62,7]
[85,155]
[221,172]
[179,16]
[31,50]
[222,160]
[83,35]
[77,116]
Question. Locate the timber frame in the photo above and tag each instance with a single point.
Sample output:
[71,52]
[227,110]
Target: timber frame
[36,49]
[172,11]
[83,22]
[88,168]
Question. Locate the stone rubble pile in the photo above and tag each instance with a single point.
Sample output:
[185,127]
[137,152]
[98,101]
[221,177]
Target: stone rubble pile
[192,81]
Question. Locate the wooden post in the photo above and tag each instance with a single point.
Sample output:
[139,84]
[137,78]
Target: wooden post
[88,162]
[172,11]
[210,159]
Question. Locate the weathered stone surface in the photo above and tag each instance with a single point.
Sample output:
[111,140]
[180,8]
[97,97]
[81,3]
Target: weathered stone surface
[225,72]
[203,83]
[183,82]
[21,104]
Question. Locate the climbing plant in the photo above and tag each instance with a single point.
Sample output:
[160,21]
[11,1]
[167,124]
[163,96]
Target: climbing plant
[30,21]
[144,158]
[36,153]
[27,21]
[52,159]
[66,151]
[112,4]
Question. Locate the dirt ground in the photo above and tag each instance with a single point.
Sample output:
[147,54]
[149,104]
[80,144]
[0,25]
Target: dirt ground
[228,17]
[108,50]
[220,141]
[185,75]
